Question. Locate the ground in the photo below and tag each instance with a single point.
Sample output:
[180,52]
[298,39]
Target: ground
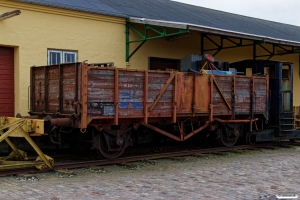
[255,174]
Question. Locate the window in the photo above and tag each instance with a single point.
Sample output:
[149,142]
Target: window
[57,56]
[285,72]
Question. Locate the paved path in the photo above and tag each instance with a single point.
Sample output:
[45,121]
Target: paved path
[247,175]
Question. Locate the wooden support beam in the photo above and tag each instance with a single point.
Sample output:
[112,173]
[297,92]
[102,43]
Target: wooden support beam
[221,93]
[161,92]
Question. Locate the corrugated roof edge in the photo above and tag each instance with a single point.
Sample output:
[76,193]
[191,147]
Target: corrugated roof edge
[93,11]
[212,30]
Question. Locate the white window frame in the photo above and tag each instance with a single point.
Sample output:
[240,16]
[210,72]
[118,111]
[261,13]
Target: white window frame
[62,55]
[68,52]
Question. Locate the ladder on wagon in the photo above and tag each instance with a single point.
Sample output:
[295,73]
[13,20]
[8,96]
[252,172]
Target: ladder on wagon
[23,128]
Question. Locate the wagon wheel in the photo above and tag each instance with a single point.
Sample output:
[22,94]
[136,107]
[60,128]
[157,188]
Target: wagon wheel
[227,135]
[109,146]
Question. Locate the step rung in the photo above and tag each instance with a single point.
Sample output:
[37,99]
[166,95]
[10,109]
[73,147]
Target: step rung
[288,118]
[287,130]
[287,124]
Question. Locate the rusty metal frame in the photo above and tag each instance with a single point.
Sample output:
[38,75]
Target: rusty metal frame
[85,120]
[84,96]
[194,108]
[211,106]
[235,121]
[161,131]
[76,86]
[233,98]
[174,100]
[60,88]
[32,88]
[268,96]
[196,131]
[252,98]
[116,93]
[182,136]
[211,120]
[181,130]
[146,81]
[46,84]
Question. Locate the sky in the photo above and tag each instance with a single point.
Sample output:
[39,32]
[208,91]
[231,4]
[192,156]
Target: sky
[284,11]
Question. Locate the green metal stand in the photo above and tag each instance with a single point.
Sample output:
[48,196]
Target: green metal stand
[159,32]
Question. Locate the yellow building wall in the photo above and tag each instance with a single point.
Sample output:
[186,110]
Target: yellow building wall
[97,38]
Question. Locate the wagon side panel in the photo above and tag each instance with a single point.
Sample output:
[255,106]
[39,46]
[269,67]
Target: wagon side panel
[55,88]
[131,93]
[202,94]
[156,82]
[222,94]
[69,87]
[101,87]
[242,95]
[185,92]
[260,95]
[52,88]
[37,89]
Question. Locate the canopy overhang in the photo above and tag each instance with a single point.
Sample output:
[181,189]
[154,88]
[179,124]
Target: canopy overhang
[212,30]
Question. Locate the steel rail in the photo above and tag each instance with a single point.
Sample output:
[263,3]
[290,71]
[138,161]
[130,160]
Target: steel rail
[80,164]
[163,155]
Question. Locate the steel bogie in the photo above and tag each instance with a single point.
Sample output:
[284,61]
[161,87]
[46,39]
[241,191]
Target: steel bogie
[228,134]
[112,143]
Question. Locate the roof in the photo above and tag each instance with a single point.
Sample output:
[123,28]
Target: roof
[199,18]
[90,6]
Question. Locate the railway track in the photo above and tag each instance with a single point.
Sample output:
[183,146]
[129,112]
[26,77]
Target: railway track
[103,162]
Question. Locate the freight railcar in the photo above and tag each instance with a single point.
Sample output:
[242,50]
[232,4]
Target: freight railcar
[115,102]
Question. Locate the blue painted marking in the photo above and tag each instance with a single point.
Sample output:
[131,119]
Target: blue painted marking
[135,104]
[124,99]
[127,97]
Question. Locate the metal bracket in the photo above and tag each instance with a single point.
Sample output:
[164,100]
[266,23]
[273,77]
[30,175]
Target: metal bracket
[156,31]
[220,45]
[233,42]
[281,50]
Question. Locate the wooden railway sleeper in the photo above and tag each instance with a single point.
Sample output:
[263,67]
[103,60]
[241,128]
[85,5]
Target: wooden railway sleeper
[23,128]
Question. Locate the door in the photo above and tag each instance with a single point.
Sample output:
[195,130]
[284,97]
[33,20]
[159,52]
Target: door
[286,88]
[6,81]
